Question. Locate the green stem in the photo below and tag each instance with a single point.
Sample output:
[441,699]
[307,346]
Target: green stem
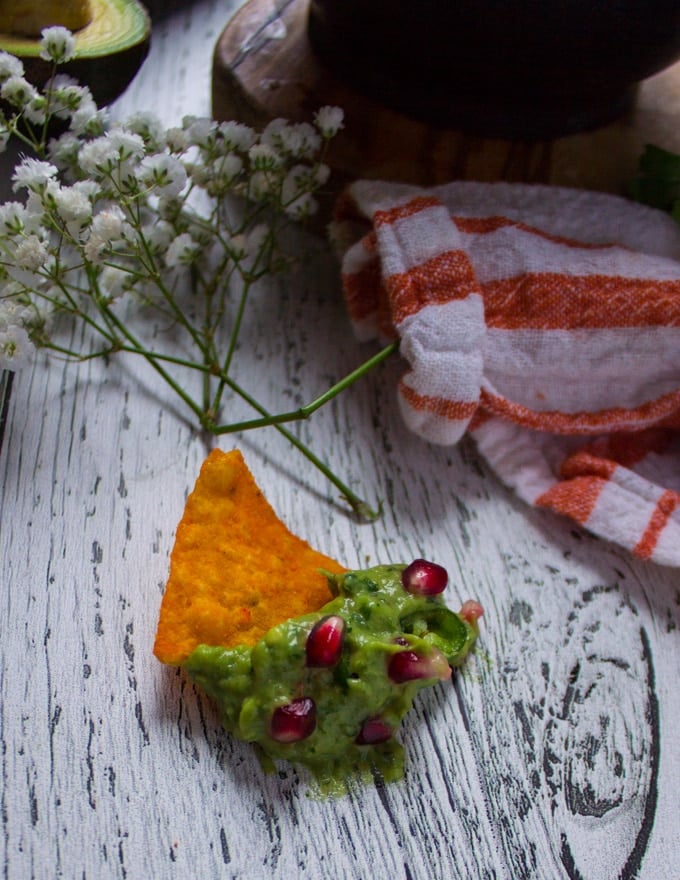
[306,411]
[236,328]
[360,507]
[152,360]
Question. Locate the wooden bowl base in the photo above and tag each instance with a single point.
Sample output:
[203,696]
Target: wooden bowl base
[264,67]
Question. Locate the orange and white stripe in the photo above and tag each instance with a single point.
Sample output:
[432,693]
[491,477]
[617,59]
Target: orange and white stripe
[530,315]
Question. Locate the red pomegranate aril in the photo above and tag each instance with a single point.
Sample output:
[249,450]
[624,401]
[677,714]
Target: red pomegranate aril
[294,722]
[409,666]
[424,578]
[373,732]
[325,641]
[471,611]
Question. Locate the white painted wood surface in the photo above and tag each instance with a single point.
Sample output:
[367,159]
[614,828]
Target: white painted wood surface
[553,755]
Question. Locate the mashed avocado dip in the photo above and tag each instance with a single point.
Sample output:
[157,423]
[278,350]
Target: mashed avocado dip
[328,690]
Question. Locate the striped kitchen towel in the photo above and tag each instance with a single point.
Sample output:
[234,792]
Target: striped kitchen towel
[546,322]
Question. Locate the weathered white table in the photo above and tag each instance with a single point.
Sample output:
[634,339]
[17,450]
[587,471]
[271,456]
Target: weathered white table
[554,754]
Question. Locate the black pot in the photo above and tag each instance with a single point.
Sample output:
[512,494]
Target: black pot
[523,69]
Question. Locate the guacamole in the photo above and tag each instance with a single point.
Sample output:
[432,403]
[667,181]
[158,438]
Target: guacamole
[329,689]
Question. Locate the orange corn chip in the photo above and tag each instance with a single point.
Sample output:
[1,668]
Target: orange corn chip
[235,569]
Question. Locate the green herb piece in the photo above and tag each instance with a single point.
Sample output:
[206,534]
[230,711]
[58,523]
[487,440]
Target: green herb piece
[657,183]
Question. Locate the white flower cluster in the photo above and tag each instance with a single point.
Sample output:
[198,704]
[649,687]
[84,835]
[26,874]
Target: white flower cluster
[106,209]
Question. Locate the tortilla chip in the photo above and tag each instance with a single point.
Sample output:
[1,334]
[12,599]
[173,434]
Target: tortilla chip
[235,570]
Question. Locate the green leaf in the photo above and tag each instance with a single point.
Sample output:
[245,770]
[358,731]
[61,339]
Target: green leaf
[675,210]
[658,180]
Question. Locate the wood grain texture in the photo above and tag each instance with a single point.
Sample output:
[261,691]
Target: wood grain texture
[264,67]
[552,754]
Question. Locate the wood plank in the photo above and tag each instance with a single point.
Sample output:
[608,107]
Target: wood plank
[551,755]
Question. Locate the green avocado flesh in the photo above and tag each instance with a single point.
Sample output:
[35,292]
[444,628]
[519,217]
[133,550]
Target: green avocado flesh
[381,619]
[116,25]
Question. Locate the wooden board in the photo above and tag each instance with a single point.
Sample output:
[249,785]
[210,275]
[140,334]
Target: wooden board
[552,756]
[263,67]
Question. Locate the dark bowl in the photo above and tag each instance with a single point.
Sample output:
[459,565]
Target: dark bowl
[526,69]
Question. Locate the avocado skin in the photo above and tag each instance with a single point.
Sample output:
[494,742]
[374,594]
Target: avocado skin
[107,74]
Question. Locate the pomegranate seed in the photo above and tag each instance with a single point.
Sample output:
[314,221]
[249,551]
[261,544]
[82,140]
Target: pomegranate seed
[373,732]
[471,611]
[295,721]
[409,666]
[325,641]
[425,578]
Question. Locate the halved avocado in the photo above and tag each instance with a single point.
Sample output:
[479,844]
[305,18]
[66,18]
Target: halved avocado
[112,40]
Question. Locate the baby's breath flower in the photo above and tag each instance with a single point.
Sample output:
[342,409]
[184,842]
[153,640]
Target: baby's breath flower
[30,253]
[264,157]
[237,136]
[149,127]
[129,207]
[307,141]
[165,174]
[89,188]
[237,246]
[321,174]
[297,140]
[10,66]
[63,81]
[271,133]
[256,238]
[302,207]
[67,97]
[16,348]
[95,247]
[57,45]
[127,144]
[176,140]
[223,174]
[158,235]
[202,233]
[88,120]
[329,120]
[33,174]
[170,209]
[108,223]
[262,184]
[182,251]
[13,218]
[17,91]
[36,110]
[13,309]
[73,207]
[298,179]
[200,173]
[97,156]
[200,132]
[27,278]
[107,229]
[63,151]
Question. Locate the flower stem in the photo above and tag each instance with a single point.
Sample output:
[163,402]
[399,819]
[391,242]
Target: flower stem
[152,360]
[360,507]
[304,411]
